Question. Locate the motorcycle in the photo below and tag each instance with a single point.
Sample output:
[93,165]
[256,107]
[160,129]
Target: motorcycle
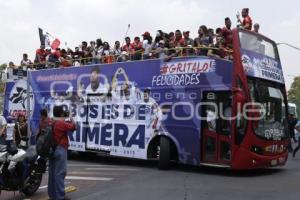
[20,170]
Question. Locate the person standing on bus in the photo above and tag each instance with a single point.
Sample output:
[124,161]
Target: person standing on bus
[40,57]
[58,163]
[25,62]
[227,38]
[247,21]
[227,33]
[147,43]
[128,47]
[256,28]
[206,40]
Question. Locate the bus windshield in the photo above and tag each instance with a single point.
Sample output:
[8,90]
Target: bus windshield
[269,97]
[257,44]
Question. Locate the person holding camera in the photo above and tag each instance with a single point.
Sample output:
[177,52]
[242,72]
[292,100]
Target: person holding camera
[20,132]
[58,163]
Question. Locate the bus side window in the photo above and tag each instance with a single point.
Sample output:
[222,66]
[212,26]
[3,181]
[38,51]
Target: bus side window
[226,115]
[218,112]
[209,112]
[211,119]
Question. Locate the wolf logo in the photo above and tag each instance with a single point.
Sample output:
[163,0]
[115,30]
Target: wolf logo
[19,96]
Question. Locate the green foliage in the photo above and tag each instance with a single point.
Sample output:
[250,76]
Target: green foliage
[294,93]
[3,66]
[2,85]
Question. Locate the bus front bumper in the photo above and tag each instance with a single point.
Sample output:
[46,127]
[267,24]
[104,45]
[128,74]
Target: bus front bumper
[246,159]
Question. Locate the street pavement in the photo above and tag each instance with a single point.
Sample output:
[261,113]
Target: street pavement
[107,178]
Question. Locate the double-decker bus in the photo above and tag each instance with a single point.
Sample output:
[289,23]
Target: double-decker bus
[196,110]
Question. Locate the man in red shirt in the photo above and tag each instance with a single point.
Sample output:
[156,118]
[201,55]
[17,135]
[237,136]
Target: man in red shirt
[247,21]
[138,48]
[58,163]
[179,40]
[128,47]
[227,33]
[40,57]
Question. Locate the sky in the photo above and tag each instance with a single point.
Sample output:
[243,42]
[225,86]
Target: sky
[73,21]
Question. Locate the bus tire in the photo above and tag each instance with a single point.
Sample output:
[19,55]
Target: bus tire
[164,154]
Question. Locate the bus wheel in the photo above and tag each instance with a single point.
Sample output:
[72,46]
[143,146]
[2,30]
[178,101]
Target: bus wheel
[164,154]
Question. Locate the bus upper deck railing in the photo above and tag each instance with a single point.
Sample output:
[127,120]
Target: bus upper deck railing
[165,54]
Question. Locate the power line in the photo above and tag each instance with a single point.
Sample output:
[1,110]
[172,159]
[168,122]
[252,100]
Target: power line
[292,46]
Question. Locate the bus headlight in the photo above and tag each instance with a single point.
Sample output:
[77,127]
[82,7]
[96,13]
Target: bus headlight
[257,149]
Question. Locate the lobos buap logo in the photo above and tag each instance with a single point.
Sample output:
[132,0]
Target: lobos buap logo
[18,99]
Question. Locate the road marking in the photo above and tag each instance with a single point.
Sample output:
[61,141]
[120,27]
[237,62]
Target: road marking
[111,169]
[87,165]
[88,178]
[43,187]
[97,173]
[68,189]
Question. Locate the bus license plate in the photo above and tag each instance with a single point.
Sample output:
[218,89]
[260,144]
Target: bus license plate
[274,162]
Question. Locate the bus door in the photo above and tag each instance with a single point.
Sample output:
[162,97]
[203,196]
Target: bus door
[216,127]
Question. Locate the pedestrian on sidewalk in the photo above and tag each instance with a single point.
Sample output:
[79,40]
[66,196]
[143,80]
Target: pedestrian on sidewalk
[297,127]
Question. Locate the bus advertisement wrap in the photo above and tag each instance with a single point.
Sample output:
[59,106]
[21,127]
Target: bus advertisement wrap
[260,66]
[119,108]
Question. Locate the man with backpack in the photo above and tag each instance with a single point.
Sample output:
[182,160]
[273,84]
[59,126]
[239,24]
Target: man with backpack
[44,121]
[58,161]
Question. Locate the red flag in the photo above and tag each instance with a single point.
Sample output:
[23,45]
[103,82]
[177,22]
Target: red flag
[55,44]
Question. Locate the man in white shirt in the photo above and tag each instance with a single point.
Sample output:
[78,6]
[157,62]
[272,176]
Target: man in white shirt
[25,62]
[147,44]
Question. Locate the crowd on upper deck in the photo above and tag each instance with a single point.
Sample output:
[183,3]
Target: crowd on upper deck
[209,42]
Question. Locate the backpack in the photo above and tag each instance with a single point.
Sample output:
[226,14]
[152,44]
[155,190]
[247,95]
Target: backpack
[45,144]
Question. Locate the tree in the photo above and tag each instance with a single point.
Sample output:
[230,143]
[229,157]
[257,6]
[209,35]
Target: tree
[294,93]
[2,85]
[3,66]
